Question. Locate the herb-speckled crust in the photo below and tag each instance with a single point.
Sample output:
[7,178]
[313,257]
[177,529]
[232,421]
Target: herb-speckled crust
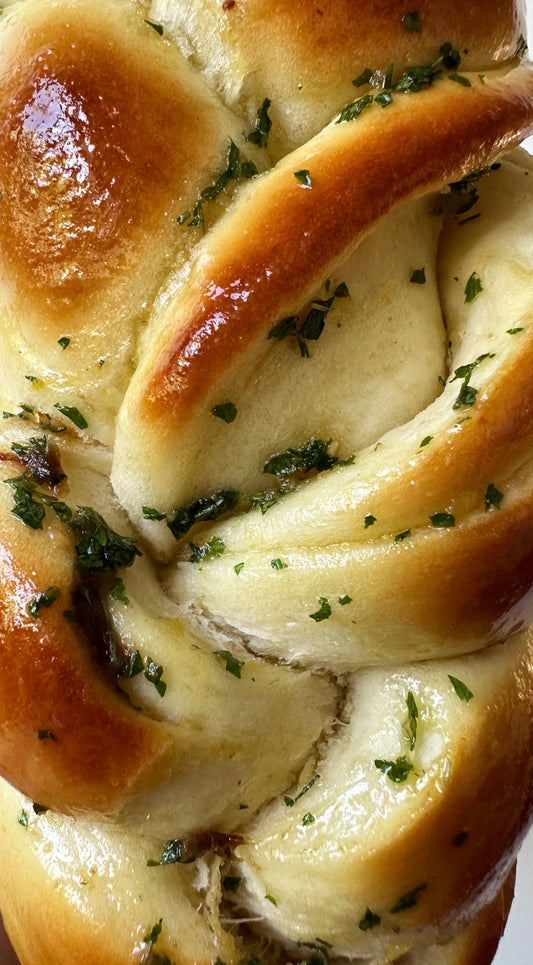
[265,480]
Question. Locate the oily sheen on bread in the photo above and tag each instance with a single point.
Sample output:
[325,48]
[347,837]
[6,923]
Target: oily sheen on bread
[266,480]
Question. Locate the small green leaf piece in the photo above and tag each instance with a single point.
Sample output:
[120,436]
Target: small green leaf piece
[493,497]
[412,21]
[278,564]
[72,413]
[323,612]
[304,178]
[461,689]
[473,287]
[43,600]
[397,771]
[227,411]
[233,666]
[418,276]
[442,520]
[369,921]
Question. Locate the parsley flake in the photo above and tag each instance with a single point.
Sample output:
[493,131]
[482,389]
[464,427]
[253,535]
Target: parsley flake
[369,921]
[278,564]
[158,27]
[205,508]
[213,548]
[64,342]
[323,612]
[363,78]
[304,178]
[412,718]
[308,818]
[409,900]
[238,568]
[227,411]
[418,276]
[442,520]
[473,287]
[100,548]
[399,538]
[236,169]
[233,666]
[397,771]
[514,331]
[425,442]
[460,688]
[43,600]
[344,600]
[369,520]
[493,497]
[412,21]
[263,125]
[72,413]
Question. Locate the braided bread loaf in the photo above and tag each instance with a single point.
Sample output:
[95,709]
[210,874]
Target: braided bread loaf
[266,542]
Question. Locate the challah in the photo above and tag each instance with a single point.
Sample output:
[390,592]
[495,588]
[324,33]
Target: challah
[266,549]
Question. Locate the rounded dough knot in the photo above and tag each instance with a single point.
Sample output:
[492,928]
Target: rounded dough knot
[266,551]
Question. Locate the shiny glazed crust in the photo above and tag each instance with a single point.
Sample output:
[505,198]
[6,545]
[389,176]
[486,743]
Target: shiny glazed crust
[265,480]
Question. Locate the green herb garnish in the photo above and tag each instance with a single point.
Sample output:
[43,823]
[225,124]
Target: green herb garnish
[369,921]
[72,413]
[278,564]
[236,170]
[304,178]
[409,900]
[213,548]
[397,771]
[442,520]
[64,342]
[233,666]
[323,612]
[493,497]
[43,601]
[461,689]
[412,21]
[473,287]
[263,125]
[418,276]
[100,548]
[412,718]
[227,411]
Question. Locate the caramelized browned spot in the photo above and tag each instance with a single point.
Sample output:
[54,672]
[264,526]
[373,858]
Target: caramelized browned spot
[97,142]
[294,237]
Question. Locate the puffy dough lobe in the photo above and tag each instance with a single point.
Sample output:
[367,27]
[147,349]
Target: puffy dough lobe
[106,136]
[102,886]
[85,894]
[435,516]
[250,273]
[384,846]
[70,633]
[305,58]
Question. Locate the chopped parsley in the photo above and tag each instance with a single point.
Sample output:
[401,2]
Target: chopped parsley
[158,27]
[278,564]
[200,510]
[40,461]
[310,456]
[43,600]
[514,331]
[369,520]
[308,818]
[272,900]
[72,413]
[64,342]
[23,818]
[323,612]
[460,688]
[425,442]
[460,79]
[304,178]
[369,921]
[210,550]
[467,394]
[263,125]
[344,600]
[231,883]
[397,771]
[442,520]
[409,900]
[100,548]
[46,735]
[413,80]
[493,497]
[117,591]
[238,568]
[227,411]
[364,77]
[399,538]
[154,673]
[291,801]
[473,287]
[418,276]
[29,503]
[233,666]
[412,722]
[236,170]
[412,21]
[311,327]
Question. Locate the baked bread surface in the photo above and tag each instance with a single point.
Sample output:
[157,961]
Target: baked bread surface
[265,480]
